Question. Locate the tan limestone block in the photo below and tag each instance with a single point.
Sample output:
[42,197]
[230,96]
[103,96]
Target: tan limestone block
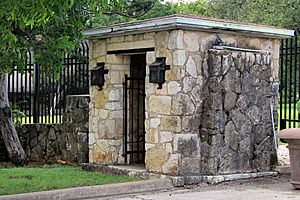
[162,91]
[92,63]
[173,87]
[267,45]
[138,37]
[154,122]
[116,39]
[115,77]
[179,57]
[156,157]
[166,136]
[275,70]
[161,39]
[254,43]
[119,67]
[191,67]
[176,40]
[160,104]
[114,59]
[168,148]
[131,45]
[191,41]
[128,38]
[98,48]
[173,74]
[103,114]
[101,59]
[92,139]
[101,152]
[150,57]
[171,167]
[152,136]
[149,36]
[91,153]
[171,123]
[276,49]
[101,98]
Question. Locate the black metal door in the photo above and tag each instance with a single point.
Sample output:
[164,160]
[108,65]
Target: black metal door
[290,82]
[134,118]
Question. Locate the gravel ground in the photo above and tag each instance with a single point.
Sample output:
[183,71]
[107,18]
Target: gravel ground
[283,155]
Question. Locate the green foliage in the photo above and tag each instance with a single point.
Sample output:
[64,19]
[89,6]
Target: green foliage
[17,115]
[298,106]
[49,28]
[198,7]
[160,9]
[280,13]
[24,180]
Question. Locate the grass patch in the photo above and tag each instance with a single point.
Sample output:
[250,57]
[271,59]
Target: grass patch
[23,180]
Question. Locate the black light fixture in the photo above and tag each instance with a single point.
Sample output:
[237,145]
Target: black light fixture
[158,71]
[97,75]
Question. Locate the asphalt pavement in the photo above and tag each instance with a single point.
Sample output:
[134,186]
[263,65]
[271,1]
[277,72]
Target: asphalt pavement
[267,188]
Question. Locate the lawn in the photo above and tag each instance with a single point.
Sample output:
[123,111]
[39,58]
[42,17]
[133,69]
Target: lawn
[24,179]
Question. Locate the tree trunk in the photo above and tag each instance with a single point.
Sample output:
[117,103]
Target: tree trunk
[9,134]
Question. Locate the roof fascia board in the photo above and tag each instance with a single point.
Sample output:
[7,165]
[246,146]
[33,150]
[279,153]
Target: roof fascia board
[188,23]
[232,26]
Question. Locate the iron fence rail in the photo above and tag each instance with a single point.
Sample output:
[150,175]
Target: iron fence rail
[289,82]
[40,95]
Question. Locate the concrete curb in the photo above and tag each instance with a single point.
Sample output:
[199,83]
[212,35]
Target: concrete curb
[96,191]
[286,169]
[180,181]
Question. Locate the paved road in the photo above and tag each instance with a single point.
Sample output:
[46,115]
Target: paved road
[273,188]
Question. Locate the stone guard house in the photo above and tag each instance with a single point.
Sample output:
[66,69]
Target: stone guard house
[213,113]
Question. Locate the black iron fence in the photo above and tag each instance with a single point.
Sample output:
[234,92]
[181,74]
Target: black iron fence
[40,95]
[290,82]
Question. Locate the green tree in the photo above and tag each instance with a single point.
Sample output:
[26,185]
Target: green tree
[160,9]
[282,13]
[194,8]
[47,28]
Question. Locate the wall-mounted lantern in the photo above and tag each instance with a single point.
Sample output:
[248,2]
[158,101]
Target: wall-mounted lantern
[97,75]
[158,71]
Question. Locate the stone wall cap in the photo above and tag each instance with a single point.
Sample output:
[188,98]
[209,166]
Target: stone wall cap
[189,22]
[290,133]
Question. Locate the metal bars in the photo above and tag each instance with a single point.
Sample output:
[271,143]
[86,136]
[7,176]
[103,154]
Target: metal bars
[37,93]
[290,82]
[134,117]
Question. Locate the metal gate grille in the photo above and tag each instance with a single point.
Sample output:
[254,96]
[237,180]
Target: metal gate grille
[134,117]
[289,82]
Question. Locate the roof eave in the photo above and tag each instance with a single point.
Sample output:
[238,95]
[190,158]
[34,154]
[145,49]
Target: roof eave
[188,23]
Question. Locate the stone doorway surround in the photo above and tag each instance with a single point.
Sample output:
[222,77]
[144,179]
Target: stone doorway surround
[212,116]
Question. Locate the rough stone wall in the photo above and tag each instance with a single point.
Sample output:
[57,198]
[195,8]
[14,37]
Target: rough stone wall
[67,141]
[236,128]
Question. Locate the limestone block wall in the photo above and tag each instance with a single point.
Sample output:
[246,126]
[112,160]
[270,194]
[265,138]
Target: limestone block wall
[106,107]
[176,114]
